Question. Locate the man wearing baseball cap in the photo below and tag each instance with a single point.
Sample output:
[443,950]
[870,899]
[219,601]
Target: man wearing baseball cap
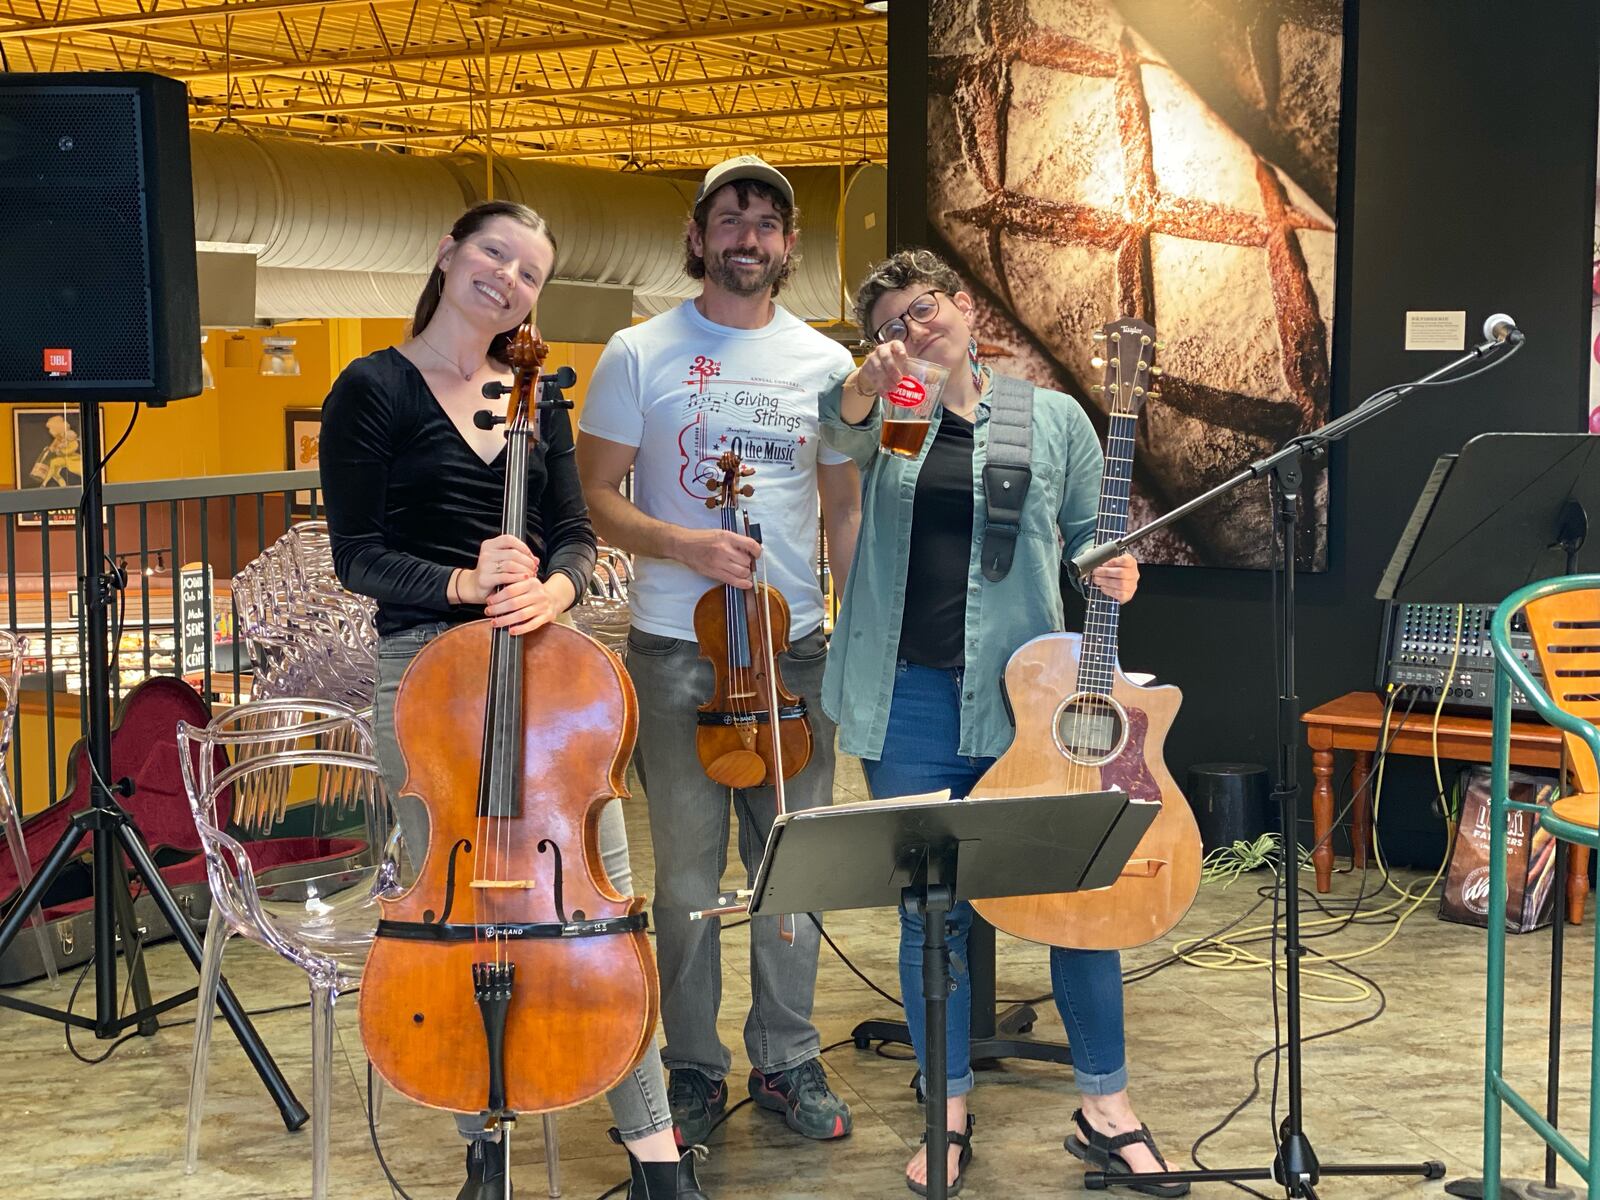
[728,370]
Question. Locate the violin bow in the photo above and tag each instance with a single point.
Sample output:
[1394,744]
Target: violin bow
[769,657]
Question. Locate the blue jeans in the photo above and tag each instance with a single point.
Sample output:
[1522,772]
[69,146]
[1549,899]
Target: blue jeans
[920,755]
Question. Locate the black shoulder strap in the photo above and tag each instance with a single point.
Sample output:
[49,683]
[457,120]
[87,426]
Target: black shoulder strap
[1006,473]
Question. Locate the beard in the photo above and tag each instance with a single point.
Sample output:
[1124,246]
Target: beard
[741,280]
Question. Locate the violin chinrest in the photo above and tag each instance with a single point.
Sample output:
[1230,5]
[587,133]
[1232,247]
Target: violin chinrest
[738,769]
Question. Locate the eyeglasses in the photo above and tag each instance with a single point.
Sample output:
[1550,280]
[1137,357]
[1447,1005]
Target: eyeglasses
[923,309]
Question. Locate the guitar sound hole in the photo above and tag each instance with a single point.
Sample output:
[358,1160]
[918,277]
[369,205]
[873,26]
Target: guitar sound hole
[1091,728]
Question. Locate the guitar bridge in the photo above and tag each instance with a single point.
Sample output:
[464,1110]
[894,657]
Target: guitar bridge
[1143,868]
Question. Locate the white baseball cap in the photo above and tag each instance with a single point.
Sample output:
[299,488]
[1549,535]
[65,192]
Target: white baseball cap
[744,166]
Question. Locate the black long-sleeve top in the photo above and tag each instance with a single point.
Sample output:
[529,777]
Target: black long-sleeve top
[409,500]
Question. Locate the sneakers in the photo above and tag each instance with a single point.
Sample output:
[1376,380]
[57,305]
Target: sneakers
[696,1101]
[809,1106]
[486,1170]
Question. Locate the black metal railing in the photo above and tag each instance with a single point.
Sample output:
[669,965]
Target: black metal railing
[215,525]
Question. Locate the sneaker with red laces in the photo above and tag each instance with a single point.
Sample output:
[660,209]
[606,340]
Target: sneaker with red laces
[809,1106]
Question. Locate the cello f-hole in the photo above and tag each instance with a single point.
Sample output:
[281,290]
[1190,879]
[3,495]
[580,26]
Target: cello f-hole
[449,883]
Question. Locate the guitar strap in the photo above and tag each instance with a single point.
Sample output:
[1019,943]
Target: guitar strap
[1006,473]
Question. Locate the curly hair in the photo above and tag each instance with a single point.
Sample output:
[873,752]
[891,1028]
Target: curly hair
[917,265]
[788,213]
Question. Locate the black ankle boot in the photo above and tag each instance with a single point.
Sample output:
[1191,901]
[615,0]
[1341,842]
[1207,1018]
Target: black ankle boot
[662,1180]
[486,1170]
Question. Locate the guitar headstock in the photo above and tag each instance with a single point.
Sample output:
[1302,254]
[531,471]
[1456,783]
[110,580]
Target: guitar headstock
[725,491]
[1127,351]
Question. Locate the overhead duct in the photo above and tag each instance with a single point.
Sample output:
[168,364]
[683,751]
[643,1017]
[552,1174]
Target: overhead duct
[340,232]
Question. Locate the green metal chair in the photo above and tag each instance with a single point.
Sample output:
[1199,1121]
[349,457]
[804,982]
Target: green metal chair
[1564,617]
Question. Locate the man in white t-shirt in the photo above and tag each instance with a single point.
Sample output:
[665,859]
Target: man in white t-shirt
[729,370]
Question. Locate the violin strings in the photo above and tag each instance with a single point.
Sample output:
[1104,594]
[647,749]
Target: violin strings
[737,615]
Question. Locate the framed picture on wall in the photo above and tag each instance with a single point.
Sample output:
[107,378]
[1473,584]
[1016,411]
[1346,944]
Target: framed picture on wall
[48,456]
[302,432]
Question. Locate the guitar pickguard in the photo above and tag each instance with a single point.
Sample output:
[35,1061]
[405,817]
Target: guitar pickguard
[1129,771]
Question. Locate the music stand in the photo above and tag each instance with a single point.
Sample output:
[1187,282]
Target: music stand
[1510,509]
[927,854]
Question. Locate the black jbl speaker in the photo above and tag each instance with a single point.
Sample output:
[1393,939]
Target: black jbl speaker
[97,239]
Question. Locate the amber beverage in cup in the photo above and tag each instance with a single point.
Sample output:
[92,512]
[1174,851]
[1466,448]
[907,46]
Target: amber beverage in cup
[908,408]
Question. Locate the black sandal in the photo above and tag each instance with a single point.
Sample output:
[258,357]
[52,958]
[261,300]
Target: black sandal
[1098,1150]
[964,1140]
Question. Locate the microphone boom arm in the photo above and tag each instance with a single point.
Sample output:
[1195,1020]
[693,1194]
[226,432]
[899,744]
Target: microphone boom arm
[1303,445]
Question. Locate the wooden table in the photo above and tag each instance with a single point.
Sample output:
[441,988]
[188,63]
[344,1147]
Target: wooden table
[1353,722]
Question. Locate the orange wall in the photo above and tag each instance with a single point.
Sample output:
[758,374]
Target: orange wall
[239,427]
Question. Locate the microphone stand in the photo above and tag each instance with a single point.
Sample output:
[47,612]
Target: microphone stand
[1295,1164]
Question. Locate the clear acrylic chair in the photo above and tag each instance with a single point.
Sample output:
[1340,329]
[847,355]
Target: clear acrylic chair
[284,753]
[603,609]
[308,635]
[13,650]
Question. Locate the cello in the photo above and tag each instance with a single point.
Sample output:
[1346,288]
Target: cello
[753,730]
[1084,726]
[512,977]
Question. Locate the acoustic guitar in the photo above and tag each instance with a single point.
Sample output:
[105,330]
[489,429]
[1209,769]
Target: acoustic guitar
[1083,726]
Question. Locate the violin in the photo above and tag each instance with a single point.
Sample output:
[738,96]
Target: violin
[512,976]
[753,730]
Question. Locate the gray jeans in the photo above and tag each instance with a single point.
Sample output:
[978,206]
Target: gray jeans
[689,826]
[639,1102]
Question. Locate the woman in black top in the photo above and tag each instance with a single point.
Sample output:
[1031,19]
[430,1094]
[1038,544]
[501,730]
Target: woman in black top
[414,493]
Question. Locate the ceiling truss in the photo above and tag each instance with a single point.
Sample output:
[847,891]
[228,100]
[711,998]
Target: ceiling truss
[618,83]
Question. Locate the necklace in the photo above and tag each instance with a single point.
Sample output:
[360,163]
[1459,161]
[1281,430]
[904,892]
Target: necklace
[438,353]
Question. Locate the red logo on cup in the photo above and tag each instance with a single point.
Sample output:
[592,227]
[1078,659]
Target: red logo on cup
[908,393]
[58,362]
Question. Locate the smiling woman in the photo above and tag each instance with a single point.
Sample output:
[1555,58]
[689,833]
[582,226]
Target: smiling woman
[415,492]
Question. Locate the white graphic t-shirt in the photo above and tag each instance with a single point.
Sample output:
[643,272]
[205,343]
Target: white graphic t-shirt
[684,391]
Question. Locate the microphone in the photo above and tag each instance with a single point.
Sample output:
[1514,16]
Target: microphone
[1501,328]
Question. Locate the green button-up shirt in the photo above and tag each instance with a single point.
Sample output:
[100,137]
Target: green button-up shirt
[1058,521]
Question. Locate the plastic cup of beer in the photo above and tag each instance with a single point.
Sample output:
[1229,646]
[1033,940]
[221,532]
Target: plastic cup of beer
[909,406]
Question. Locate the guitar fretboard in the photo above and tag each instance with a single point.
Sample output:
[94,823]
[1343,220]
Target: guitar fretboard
[1097,665]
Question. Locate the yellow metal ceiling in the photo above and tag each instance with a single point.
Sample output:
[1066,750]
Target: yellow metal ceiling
[619,83]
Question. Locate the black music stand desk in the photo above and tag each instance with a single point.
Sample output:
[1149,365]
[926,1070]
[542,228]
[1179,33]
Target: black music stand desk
[927,854]
[1510,509]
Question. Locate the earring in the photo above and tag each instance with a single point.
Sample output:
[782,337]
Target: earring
[973,365]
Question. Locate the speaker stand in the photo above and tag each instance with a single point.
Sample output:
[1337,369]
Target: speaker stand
[112,832]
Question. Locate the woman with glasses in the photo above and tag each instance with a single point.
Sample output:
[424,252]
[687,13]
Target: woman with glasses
[921,645]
